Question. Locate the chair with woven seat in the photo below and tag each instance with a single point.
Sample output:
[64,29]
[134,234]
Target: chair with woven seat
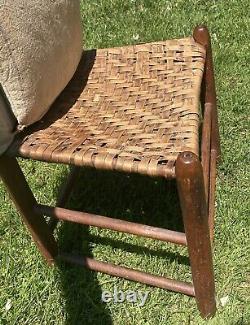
[134,109]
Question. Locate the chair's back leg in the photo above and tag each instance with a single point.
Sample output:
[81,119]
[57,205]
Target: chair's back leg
[21,194]
[191,190]
[211,202]
[201,36]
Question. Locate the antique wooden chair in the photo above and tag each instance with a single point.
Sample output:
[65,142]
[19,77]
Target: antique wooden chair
[133,109]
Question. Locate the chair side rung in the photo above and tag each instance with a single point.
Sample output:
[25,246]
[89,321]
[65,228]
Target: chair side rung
[129,274]
[113,224]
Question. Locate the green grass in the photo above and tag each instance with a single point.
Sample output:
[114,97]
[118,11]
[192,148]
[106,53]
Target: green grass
[71,295]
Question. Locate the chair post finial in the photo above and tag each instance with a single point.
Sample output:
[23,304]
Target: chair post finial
[201,35]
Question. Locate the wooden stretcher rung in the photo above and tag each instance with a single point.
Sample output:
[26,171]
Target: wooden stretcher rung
[113,224]
[130,274]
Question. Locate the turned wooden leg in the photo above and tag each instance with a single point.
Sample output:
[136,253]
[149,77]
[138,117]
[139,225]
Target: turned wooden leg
[208,97]
[212,187]
[64,194]
[201,36]
[191,190]
[21,194]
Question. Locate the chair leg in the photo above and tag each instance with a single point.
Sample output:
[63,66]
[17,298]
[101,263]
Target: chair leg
[21,194]
[201,36]
[211,200]
[191,190]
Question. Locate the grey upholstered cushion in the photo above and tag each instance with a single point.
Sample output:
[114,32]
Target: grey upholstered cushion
[40,48]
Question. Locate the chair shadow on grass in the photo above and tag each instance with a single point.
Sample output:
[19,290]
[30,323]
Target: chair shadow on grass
[129,197]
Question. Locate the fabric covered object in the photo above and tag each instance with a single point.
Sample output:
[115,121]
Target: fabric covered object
[40,48]
[7,124]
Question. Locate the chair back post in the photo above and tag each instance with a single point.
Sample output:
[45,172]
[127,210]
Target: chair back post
[201,35]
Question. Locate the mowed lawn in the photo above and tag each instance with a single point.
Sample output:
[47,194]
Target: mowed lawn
[32,293]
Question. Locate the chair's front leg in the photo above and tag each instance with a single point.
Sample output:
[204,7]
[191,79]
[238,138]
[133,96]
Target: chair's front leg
[21,194]
[191,190]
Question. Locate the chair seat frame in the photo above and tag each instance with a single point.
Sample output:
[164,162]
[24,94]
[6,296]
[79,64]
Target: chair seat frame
[196,179]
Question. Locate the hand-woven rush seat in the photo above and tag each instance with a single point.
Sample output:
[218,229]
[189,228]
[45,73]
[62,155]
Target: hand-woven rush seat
[132,108]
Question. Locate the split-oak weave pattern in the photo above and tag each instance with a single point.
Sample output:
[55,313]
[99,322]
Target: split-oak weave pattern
[131,108]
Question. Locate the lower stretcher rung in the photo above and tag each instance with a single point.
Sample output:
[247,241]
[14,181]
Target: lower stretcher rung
[130,274]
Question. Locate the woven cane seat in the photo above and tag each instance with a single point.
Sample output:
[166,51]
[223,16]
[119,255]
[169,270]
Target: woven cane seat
[132,108]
